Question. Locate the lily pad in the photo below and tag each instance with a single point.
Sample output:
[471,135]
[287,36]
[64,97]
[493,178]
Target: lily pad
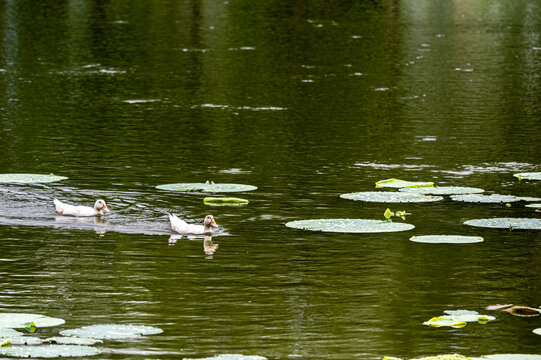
[72,340]
[443,190]
[537,331]
[24,340]
[468,316]
[206,187]
[444,357]
[397,183]
[390,197]
[440,321]
[112,331]
[522,311]
[537,206]
[507,223]
[6,332]
[349,225]
[509,357]
[486,199]
[234,357]
[446,239]
[528,176]
[224,201]
[21,320]
[49,351]
[30,178]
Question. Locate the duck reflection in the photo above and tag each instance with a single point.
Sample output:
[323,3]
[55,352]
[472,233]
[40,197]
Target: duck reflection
[209,247]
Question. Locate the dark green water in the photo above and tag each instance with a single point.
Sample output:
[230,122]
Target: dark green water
[305,100]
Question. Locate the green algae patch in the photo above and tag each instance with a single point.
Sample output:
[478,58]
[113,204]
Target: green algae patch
[443,190]
[528,176]
[30,178]
[390,197]
[112,331]
[507,223]
[397,184]
[446,239]
[225,201]
[209,187]
[49,351]
[349,225]
[485,199]
[23,320]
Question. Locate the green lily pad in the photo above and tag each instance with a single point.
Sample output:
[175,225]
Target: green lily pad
[30,178]
[528,176]
[509,357]
[390,197]
[6,332]
[234,357]
[72,340]
[49,351]
[24,340]
[206,187]
[507,223]
[21,320]
[224,201]
[468,316]
[444,357]
[112,331]
[440,321]
[397,183]
[446,239]
[349,225]
[536,205]
[485,199]
[443,190]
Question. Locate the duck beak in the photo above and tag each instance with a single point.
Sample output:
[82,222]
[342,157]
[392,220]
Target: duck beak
[104,208]
[213,223]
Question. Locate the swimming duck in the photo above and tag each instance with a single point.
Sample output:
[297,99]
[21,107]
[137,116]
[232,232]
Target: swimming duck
[78,210]
[182,227]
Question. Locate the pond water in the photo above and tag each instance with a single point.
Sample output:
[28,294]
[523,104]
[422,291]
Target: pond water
[306,101]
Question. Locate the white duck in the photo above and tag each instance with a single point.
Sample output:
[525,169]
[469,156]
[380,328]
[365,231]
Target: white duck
[182,227]
[78,210]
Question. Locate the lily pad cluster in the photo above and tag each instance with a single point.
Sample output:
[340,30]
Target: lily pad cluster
[458,318]
[73,343]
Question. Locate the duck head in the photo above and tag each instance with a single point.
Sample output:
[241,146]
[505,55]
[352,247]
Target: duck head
[209,221]
[100,205]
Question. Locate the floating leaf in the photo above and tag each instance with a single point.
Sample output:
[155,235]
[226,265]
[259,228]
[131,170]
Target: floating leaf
[509,357]
[537,331]
[396,183]
[522,311]
[206,187]
[25,340]
[224,201]
[390,197]
[529,198]
[349,225]
[72,340]
[444,357]
[6,332]
[49,351]
[498,306]
[446,239]
[112,331]
[486,199]
[30,178]
[528,176]
[537,206]
[468,316]
[440,321]
[234,357]
[507,223]
[443,190]
[21,320]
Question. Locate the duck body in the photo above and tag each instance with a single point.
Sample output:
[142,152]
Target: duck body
[182,227]
[79,210]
